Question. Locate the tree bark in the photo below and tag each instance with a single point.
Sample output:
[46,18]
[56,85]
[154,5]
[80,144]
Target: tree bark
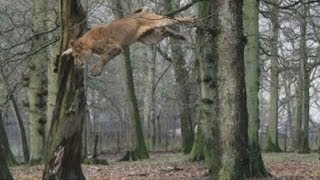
[302,113]
[207,54]
[17,114]
[65,135]
[140,150]
[207,85]
[37,82]
[183,89]
[232,108]
[6,150]
[4,170]
[272,143]
[252,75]
[53,58]
[149,100]
[22,130]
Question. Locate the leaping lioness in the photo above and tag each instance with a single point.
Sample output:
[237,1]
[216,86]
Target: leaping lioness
[109,39]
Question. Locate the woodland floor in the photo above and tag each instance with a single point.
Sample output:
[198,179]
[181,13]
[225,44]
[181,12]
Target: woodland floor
[170,166]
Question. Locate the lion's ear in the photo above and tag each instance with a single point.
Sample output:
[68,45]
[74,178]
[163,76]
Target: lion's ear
[140,10]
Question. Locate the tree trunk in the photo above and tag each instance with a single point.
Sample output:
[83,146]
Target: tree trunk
[37,82]
[272,143]
[4,170]
[53,58]
[149,100]
[159,129]
[303,98]
[183,89]
[65,135]
[197,153]
[207,54]
[207,84]
[22,130]
[287,89]
[85,134]
[15,110]
[6,150]
[232,108]
[251,59]
[140,145]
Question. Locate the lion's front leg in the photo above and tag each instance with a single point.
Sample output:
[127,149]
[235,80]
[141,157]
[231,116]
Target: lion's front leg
[103,60]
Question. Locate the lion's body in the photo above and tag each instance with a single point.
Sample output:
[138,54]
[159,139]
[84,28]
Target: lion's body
[108,40]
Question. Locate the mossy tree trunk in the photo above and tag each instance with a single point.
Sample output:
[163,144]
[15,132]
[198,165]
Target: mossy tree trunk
[272,142]
[232,108]
[4,170]
[140,148]
[251,59]
[65,135]
[37,81]
[301,144]
[183,88]
[198,149]
[6,150]
[53,58]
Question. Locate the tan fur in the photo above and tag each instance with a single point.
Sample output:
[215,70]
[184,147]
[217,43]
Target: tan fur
[108,40]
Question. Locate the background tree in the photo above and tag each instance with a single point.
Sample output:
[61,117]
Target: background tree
[52,25]
[65,137]
[140,149]
[37,79]
[301,142]
[5,147]
[272,143]
[4,170]
[251,59]
[149,99]
[206,121]
[183,89]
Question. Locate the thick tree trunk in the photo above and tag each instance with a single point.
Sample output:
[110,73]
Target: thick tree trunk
[65,135]
[207,53]
[37,82]
[232,108]
[303,97]
[272,143]
[183,89]
[207,84]
[4,170]
[251,59]
[133,111]
[6,150]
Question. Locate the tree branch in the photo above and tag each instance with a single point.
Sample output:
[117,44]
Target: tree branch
[185,7]
[289,5]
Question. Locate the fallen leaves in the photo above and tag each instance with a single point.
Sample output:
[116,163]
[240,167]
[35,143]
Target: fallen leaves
[293,166]
[176,166]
